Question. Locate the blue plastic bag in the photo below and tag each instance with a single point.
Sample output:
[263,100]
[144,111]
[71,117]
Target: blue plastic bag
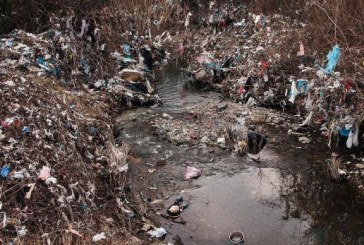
[5,171]
[126,49]
[344,131]
[302,86]
[333,59]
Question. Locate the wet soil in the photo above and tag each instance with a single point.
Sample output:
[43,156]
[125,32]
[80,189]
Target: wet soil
[285,198]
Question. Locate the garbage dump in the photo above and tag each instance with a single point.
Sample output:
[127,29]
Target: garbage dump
[64,176]
[59,162]
[245,62]
[57,151]
[251,61]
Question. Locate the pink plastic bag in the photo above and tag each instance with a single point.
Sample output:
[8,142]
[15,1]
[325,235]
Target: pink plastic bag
[45,173]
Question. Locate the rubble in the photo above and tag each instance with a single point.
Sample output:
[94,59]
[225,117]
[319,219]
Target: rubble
[41,198]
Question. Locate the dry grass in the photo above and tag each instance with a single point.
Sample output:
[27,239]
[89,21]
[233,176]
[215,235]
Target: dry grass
[147,18]
[333,166]
[118,160]
[329,23]
[343,20]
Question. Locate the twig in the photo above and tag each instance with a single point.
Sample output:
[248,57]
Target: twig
[336,26]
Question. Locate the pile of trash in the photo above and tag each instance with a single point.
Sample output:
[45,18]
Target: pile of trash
[58,161]
[257,60]
[251,62]
[125,74]
[226,125]
[63,178]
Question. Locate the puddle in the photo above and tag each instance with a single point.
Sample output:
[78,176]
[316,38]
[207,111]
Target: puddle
[250,202]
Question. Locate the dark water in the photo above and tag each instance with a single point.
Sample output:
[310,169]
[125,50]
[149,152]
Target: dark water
[285,199]
[172,90]
[250,202]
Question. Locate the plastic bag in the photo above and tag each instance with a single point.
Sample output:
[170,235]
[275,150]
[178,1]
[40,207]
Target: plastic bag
[333,59]
[158,232]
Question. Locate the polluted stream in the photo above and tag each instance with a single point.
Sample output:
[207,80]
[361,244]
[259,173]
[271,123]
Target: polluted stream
[285,198]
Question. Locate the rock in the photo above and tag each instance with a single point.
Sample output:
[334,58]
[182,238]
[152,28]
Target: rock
[174,210]
[200,75]
[192,173]
[359,165]
[304,140]
[221,141]
[222,106]
[162,162]
[205,140]
[146,227]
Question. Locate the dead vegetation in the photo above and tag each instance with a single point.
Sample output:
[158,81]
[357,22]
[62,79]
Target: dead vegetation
[328,23]
[66,129]
[333,167]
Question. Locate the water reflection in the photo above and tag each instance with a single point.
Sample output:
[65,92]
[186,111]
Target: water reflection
[249,202]
[336,211]
[271,206]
